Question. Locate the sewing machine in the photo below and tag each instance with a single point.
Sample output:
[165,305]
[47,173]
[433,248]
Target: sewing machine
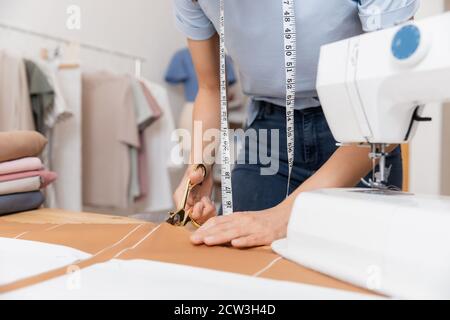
[373,88]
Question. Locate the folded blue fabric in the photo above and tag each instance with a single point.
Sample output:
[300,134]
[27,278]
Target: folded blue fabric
[13,203]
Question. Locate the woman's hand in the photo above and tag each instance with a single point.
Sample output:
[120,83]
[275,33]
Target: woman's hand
[243,230]
[199,198]
[252,229]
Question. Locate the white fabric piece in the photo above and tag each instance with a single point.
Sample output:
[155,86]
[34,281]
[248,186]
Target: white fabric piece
[159,150]
[134,187]
[139,279]
[20,259]
[20,185]
[61,109]
[66,143]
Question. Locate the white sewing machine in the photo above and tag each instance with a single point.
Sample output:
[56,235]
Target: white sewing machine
[372,90]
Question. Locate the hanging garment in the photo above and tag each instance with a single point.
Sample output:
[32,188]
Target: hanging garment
[153,104]
[181,70]
[65,142]
[143,111]
[19,202]
[47,177]
[20,165]
[147,111]
[20,144]
[15,108]
[142,169]
[20,185]
[142,155]
[109,129]
[42,95]
[134,187]
[144,116]
[61,110]
[159,149]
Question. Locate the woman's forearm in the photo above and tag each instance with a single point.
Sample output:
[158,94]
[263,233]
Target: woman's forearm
[206,122]
[344,169]
[206,114]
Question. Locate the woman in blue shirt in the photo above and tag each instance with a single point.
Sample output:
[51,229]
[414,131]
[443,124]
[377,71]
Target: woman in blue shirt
[255,42]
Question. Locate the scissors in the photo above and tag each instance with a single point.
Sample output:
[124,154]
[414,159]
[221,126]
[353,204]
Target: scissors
[181,217]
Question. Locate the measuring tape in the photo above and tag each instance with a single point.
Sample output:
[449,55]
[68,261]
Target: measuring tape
[227,193]
[290,64]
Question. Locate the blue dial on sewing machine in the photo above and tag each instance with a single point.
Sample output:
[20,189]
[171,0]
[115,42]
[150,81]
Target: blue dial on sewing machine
[406,42]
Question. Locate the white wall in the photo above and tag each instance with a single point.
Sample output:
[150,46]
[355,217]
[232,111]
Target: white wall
[139,27]
[445,165]
[446,143]
[426,158]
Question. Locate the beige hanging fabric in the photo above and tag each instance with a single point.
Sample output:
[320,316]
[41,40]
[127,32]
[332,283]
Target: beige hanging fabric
[109,130]
[15,107]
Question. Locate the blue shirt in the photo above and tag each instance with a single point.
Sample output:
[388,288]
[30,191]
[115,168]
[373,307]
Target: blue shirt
[254,36]
[181,70]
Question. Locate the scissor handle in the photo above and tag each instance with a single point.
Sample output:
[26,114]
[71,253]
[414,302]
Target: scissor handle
[185,218]
[189,186]
[203,167]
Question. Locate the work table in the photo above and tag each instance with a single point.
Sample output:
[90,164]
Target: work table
[111,237]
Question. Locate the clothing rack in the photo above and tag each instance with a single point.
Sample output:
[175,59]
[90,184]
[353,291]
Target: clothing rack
[137,59]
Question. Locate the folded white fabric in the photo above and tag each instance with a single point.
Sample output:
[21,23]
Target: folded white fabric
[139,279]
[21,258]
[20,185]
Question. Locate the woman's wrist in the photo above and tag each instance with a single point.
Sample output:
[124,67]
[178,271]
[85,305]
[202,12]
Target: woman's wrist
[280,216]
[285,207]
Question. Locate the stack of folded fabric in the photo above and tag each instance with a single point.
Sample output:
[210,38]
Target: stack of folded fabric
[22,174]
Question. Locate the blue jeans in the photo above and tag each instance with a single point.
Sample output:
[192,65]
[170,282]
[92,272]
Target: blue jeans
[314,145]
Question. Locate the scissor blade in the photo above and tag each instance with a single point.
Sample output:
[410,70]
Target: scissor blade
[176,218]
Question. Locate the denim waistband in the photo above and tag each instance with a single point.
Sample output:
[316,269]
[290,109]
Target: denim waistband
[270,108]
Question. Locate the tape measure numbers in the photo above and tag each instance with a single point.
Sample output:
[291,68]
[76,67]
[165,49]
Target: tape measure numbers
[290,63]
[227,193]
